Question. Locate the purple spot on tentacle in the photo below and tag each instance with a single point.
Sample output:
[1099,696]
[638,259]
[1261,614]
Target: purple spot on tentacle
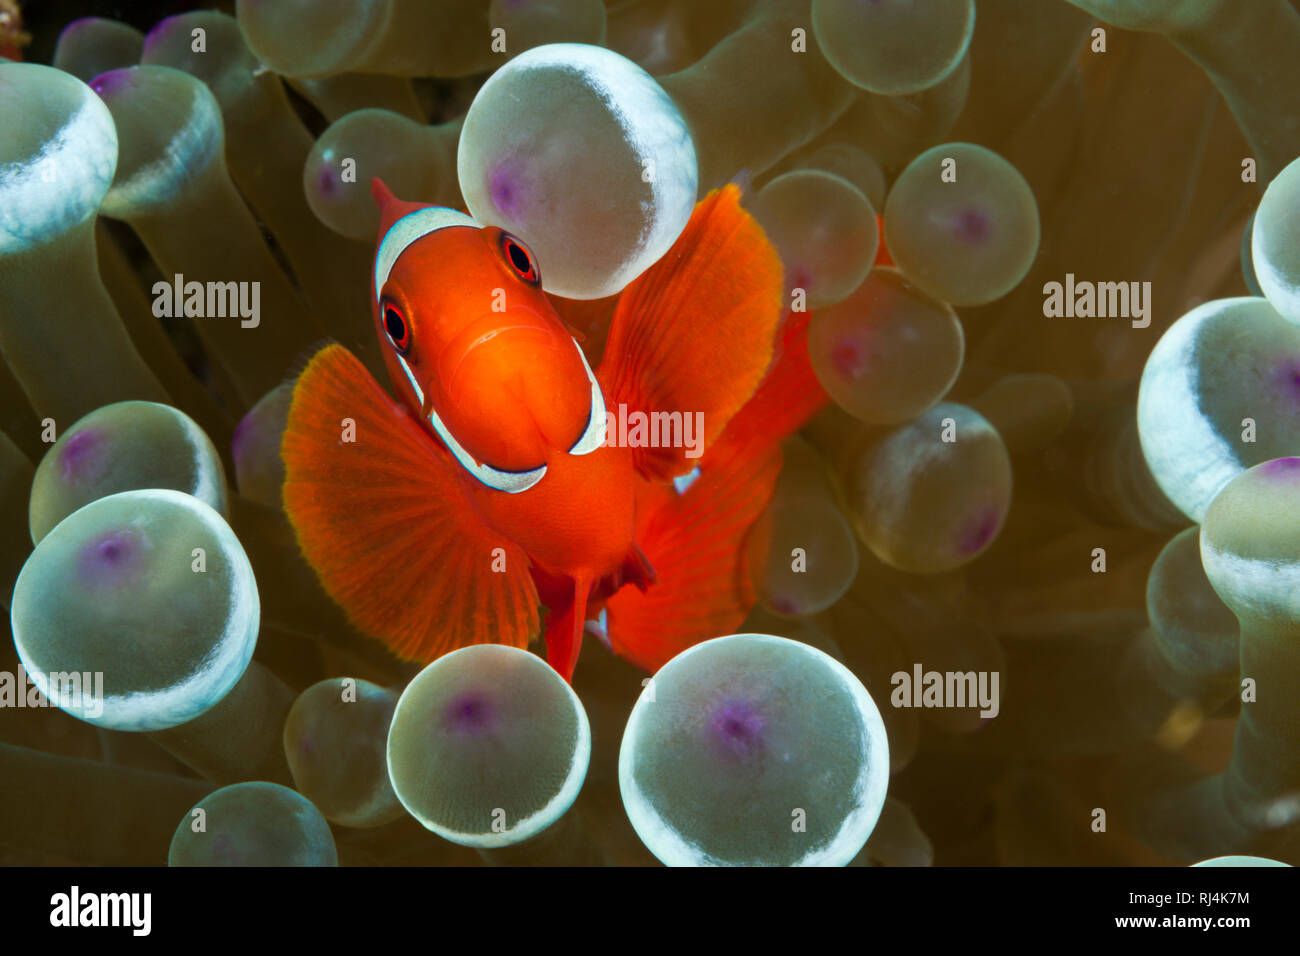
[980,531]
[113,559]
[327,181]
[1281,468]
[972,226]
[160,31]
[798,277]
[112,82]
[850,358]
[244,435]
[506,186]
[81,460]
[786,605]
[470,713]
[737,728]
[1286,378]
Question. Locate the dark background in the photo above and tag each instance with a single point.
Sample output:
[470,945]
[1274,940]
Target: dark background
[43,19]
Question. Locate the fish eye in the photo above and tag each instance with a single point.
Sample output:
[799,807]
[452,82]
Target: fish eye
[399,333]
[520,259]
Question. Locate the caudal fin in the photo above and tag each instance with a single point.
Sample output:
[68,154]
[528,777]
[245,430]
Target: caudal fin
[789,395]
[696,541]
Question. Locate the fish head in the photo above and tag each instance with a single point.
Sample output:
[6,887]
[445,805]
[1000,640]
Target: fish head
[475,349]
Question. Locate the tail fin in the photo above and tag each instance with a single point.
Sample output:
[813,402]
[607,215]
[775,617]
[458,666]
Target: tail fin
[696,544]
[696,541]
[784,401]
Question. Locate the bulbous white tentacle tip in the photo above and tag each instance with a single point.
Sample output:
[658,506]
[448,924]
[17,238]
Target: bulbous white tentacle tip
[58,154]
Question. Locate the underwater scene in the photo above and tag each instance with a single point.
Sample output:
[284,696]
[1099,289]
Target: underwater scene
[649,432]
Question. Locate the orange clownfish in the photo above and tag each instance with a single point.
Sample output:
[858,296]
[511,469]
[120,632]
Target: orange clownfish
[502,481]
[12,36]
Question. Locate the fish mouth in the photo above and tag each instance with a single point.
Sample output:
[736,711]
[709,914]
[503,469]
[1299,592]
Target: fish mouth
[478,334]
[450,362]
[511,482]
[453,356]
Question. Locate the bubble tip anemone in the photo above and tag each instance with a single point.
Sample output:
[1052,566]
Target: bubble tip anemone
[739,732]
[50,186]
[483,680]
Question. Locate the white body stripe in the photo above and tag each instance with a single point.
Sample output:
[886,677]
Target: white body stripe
[594,436]
[414,225]
[511,482]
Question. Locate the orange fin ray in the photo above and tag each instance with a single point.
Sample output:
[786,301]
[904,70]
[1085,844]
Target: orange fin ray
[695,332]
[696,543]
[387,525]
[564,628]
[789,395]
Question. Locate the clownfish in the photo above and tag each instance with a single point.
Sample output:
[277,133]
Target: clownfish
[490,488]
[12,36]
